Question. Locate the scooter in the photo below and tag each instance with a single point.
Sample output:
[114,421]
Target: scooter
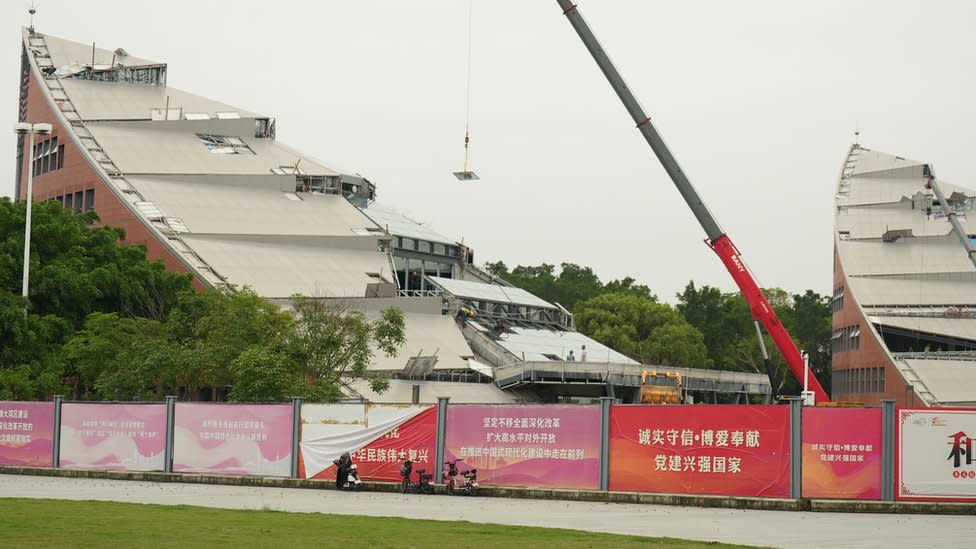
[470,485]
[449,476]
[423,485]
[466,487]
[352,478]
[347,473]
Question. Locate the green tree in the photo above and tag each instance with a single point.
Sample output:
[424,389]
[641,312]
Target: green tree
[572,285]
[211,329]
[643,329]
[261,373]
[114,358]
[76,268]
[809,322]
[335,343]
[726,321]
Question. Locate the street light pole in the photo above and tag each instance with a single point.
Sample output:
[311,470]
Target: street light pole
[22,128]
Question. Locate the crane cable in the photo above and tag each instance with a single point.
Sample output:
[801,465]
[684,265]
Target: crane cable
[467,105]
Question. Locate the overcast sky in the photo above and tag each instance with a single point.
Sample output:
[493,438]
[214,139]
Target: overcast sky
[757,100]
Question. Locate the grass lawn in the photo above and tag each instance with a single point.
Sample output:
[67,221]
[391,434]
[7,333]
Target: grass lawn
[61,523]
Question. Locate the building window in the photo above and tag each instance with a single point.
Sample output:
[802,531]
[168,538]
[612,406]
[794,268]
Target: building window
[89,200]
[837,302]
[847,338]
[48,156]
[223,144]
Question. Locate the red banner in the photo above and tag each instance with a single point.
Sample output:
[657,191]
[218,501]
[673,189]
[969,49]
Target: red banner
[842,453]
[723,450]
[380,460]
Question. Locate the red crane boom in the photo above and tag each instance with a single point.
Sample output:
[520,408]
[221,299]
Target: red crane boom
[717,239]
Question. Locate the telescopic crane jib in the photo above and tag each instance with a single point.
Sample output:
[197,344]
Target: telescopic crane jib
[717,240]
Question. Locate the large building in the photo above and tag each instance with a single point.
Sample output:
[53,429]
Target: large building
[904,303]
[207,188]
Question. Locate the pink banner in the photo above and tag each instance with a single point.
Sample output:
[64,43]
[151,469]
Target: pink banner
[233,439]
[842,453]
[554,446]
[26,430]
[117,437]
[726,450]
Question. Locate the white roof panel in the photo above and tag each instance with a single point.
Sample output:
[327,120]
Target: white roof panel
[122,101]
[280,267]
[401,225]
[911,291]
[250,205]
[481,291]
[949,381]
[533,345]
[928,268]
[174,148]
[962,328]
[428,334]
[65,52]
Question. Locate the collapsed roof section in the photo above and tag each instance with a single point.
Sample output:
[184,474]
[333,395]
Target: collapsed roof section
[211,189]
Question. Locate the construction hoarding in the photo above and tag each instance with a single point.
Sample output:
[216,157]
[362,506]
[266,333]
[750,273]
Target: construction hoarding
[551,446]
[724,450]
[934,454]
[119,437]
[233,439]
[378,449]
[842,453]
[26,430]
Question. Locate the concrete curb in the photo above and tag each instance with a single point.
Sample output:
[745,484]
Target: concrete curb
[687,500]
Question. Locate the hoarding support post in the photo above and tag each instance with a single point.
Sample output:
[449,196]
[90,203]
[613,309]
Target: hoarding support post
[56,433]
[605,403]
[170,430]
[296,432]
[887,450]
[442,403]
[796,447]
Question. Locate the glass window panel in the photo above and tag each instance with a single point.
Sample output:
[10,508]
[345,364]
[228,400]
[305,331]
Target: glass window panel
[423,246]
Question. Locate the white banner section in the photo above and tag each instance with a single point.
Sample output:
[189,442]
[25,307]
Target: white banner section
[935,454]
[319,452]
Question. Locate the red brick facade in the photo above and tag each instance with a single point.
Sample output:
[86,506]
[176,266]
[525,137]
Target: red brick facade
[78,175]
[869,354]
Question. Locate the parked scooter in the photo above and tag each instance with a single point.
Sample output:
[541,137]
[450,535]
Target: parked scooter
[405,470]
[467,486]
[449,476]
[422,486]
[347,474]
[470,485]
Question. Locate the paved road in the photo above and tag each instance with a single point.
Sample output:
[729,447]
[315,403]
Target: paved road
[768,528]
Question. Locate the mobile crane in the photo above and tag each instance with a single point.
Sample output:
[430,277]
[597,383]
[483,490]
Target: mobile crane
[717,240]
